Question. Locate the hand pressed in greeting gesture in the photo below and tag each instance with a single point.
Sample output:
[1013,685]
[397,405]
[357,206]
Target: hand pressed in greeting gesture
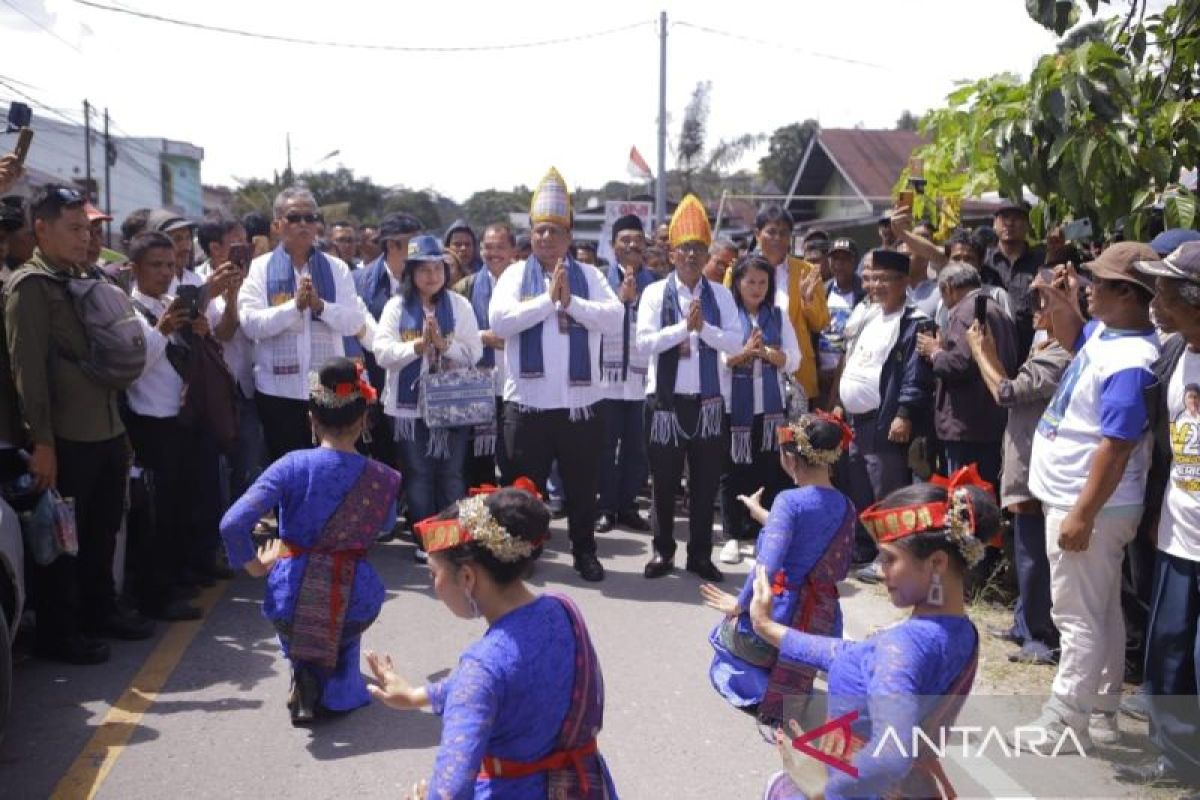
[695,317]
[628,290]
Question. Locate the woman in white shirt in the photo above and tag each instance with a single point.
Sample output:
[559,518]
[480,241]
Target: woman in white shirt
[425,326]
[757,407]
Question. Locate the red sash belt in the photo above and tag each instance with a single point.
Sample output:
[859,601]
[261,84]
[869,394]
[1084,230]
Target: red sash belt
[341,559]
[816,590]
[494,767]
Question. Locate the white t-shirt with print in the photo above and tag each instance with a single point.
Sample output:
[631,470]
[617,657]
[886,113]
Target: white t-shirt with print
[1100,395]
[1179,525]
[832,343]
[859,389]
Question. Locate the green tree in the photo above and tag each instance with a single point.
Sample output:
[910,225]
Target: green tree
[492,205]
[411,201]
[785,150]
[1099,131]
[699,166]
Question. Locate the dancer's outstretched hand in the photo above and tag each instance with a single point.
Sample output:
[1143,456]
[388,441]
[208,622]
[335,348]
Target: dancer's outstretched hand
[392,690]
[754,506]
[808,774]
[721,601]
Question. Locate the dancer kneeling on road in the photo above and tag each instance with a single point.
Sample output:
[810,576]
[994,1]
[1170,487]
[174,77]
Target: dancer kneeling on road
[804,546]
[914,674]
[321,594]
[522,710]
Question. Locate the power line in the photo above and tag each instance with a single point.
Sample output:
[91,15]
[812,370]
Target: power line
[356,45]
[41,25]
[39,103]
[764,42]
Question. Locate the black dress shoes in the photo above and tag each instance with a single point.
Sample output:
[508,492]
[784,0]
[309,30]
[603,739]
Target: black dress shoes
[175,611]
[605,523]
[72,650]
[632,520]
[658,566]
[707,570]
[589,567]
[124,624]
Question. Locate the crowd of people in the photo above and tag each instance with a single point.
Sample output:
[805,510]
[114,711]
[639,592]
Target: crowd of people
[288,367]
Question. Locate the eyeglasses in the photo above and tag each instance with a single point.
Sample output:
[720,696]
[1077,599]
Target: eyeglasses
[296,218]
[692,249]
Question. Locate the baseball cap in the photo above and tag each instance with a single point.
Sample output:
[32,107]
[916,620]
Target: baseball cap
[1117,263]
[1169,240]
[1182,264]
[843,245]
[94,214]
[165,221]
[1011,205]
[424,248]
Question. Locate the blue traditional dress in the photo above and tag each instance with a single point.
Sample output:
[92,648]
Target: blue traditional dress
[521,712]
[914,674]
[321,594]
[805,547]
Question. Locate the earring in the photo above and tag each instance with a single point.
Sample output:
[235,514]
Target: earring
[366,435]
[473,604]
[936,596]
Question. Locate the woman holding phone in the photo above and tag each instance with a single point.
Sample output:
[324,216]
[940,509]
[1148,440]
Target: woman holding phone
[425,328]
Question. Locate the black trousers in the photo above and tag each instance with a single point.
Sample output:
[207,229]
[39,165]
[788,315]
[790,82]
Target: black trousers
[80,589]
[705,459]
[285,424]
[160,532]
[1173,664]
[534,439]
[764,471]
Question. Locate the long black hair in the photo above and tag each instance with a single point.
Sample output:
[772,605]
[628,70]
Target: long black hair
[744,265]
[409,290]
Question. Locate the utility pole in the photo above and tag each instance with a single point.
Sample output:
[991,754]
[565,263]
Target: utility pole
[108,151]
[87,149]
[660,191]
[291,176]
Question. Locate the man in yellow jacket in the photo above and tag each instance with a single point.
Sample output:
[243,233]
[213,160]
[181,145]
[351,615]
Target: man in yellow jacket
[798,288]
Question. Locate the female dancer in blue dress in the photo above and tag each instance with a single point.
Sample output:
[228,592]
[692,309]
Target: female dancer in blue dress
[915,674]
[804,546]
[521,712]
[321,594]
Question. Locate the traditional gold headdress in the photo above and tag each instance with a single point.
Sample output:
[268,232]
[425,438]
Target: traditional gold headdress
[551,201]
[797,434]
[955,517]
[689,223]
[475,523]
[342,394]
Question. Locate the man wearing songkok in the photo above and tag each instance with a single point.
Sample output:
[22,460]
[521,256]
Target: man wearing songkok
[551,313]
[623,461]
[684,323]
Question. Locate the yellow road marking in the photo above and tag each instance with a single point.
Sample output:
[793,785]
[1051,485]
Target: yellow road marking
[96,760]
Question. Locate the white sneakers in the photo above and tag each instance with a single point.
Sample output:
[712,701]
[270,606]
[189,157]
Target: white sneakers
[731,552]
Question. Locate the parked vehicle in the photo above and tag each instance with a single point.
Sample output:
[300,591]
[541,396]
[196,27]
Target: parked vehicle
[12,600]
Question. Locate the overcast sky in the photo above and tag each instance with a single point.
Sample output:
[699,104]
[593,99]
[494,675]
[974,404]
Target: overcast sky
[459,122]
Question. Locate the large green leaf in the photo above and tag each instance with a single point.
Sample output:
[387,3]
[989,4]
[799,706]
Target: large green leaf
[1180,210]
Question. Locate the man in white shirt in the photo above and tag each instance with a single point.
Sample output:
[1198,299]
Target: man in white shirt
[296,305]
[163,447]
[551,312]
[684,323]
[488,455]
[1172,655]
[623,465]
[1088,467]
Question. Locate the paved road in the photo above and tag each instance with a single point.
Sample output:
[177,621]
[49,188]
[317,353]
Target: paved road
[219,727]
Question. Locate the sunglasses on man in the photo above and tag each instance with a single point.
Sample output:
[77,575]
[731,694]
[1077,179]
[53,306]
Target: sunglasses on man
[295,218]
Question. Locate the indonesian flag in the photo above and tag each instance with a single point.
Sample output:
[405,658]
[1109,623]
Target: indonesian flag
[637,167]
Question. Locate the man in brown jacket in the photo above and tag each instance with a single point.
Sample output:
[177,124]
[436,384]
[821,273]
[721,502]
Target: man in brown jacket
[78,441]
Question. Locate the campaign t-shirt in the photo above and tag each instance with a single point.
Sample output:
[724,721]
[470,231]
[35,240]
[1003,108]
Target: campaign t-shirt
[1179,525]
[1100,396]
[832,343]
[859,389]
